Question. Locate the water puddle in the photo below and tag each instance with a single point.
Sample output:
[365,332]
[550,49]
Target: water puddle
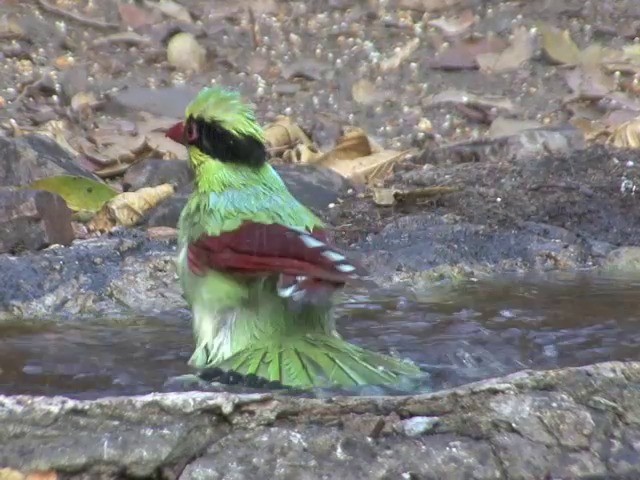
[474,331]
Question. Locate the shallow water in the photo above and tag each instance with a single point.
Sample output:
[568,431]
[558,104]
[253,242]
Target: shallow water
[474,331]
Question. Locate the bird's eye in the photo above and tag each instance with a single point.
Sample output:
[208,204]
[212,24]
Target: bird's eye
[192,132]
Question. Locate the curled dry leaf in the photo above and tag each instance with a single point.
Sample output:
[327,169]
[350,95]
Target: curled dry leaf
[284,134]
[128,208]
[356,157]
[80,193]
[626,135]
[301,154]
[385,197]
[512,57]
[558,45]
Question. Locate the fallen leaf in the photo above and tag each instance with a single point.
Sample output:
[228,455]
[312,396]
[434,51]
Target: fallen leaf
[462,54]
[185,53]
[301,154]
[127,208]
[400,55]
[171,9]
[626,135]
[356,157]
[84,101]
[591,129]
[503,127]
[455,25]
[558,45]
[80,193]
[284,134]
[512,57]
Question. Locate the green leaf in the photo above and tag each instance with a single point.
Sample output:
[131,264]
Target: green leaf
[80,193]
[559,46]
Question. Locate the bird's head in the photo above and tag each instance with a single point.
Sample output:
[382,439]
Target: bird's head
[220,127]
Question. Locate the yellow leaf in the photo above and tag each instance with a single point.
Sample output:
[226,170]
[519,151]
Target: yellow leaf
[626,135]
[80,193]
[558,45]
[128,208]
[285,134]
[10,474]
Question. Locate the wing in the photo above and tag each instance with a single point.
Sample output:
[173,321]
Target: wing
[303,260]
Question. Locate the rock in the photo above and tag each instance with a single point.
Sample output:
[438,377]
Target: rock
[523,146]
[623,260]
[562,423]
[169,102]
[152,171]
[33,219]
[26,159]
[123,273]
[417,426]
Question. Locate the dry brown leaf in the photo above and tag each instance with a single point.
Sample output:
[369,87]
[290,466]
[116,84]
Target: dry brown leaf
[589,83]
[400,55]
[57,130]
[559,46]
[512,57]
[167,148]
[301,154]
[626,135]
[285,134]
[591,129]
[128,208]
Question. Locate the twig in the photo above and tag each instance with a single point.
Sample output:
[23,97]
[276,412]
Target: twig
[127,38]
[74,16]
[255,38]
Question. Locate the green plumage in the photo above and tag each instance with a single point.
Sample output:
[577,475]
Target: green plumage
[242,324]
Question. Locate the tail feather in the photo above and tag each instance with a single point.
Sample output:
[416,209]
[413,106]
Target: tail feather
[319,361]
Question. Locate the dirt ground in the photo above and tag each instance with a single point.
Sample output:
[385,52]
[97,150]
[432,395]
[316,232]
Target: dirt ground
[408,72]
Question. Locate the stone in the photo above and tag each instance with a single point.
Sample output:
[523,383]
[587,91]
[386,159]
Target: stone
[623,260]
[24,160]
[416,426]
[33,219]
[486,431]
[153,171]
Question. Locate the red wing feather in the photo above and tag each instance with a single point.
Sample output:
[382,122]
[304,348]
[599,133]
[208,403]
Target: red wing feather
[257,248]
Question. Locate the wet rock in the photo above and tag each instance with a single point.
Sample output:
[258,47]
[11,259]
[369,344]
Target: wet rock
[525,425]
[124,273]
[168,212]
[29,158]
[153,171]
[623,260]
[33,219]
[416,426]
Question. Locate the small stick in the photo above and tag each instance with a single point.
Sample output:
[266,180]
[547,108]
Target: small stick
[255,40]
[74,16]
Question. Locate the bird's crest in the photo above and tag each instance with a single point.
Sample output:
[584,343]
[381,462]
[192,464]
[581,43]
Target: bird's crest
[226,108]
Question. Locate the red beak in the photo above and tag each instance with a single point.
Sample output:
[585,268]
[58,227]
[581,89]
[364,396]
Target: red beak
[176,133]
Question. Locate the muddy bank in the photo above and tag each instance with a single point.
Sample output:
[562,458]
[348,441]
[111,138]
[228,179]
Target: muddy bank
[575,423]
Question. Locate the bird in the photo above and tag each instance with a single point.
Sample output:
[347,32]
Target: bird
[256,266]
